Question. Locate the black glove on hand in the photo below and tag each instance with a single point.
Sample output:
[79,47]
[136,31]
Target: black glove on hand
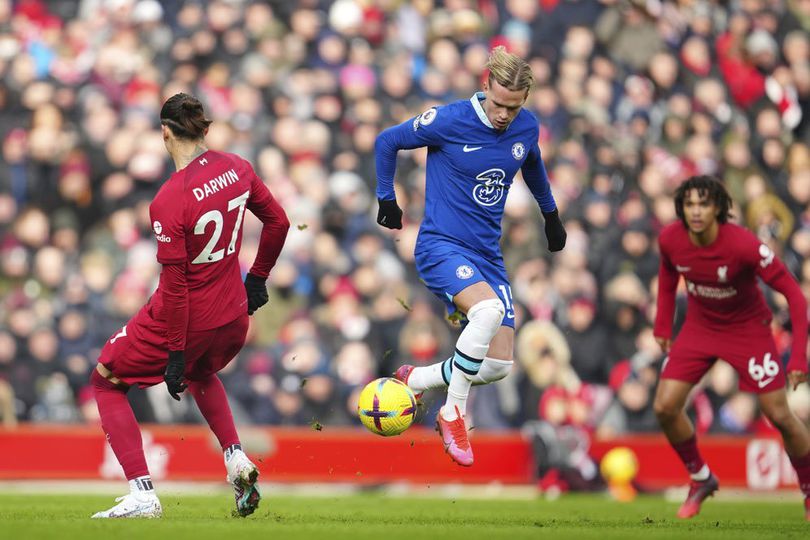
[174,374]
[389,214]
[555,232]
[256,293]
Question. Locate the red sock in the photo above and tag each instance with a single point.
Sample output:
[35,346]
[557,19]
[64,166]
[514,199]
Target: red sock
[118,422]
[689,454]
[213,403]
[802,466]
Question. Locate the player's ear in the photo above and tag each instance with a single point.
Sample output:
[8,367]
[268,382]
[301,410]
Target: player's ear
[166,132]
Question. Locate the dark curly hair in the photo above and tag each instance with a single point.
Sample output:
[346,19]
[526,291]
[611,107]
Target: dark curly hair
[707,186]
[184,115]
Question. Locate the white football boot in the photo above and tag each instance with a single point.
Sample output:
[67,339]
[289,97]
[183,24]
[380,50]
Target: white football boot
[242,475]
[134,505]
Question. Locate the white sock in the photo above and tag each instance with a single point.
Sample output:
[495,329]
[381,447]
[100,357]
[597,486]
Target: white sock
[231,450]
[142,486]
[427,377]
[702,475]
[492,370]
[484,320]
[457,394]
[433,376]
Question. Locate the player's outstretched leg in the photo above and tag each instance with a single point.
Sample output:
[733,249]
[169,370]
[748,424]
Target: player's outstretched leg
[118,422]
[438,375]
[209,394]
[243,475]
[484,321]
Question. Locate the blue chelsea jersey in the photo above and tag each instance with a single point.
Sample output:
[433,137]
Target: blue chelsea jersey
[470,167]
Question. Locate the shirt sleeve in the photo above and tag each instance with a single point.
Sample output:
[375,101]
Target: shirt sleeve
[773,272]
[426,129]
[667,287]
[536,178]
[274,230]
[175,294]
[166,213]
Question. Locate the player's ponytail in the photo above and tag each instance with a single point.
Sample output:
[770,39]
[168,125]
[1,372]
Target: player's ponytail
[710,187]
[184,115]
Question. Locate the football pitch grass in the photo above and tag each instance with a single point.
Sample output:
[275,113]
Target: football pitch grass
[381,517]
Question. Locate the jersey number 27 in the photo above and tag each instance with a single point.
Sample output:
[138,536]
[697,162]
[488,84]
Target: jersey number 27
[208,255]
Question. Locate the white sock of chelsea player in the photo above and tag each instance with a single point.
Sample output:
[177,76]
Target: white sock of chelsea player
[484,321]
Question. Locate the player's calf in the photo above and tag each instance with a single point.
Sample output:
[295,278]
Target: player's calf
[492,370]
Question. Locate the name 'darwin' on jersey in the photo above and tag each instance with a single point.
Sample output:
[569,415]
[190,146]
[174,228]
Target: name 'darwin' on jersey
[215,184]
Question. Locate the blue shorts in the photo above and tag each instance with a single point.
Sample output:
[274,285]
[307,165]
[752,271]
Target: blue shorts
[447,269]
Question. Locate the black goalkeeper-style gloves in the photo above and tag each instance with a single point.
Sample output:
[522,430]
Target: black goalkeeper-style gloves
[390,214]
[256,292]
[174,374]
[555,232]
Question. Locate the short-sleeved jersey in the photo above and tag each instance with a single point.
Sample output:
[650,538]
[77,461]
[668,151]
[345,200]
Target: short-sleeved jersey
[721,278]
[197,220]
[470,168]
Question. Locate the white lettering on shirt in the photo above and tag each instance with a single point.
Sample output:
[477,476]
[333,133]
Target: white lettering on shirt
[215,184]
[707,291]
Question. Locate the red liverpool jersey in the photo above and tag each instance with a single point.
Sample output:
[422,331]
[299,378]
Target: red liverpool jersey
[721,283]
[197,219]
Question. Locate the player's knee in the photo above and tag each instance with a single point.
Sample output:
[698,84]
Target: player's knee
[665,410]
[493,370]
[487,313]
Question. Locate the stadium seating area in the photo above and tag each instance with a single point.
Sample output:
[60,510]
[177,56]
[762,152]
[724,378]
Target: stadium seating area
[632,96]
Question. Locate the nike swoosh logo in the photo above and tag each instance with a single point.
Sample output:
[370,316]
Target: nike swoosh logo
[682,268]
[510,315]
[766,382]
[471,148]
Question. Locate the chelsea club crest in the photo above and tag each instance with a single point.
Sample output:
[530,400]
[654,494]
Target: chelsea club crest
[464,272]
[518,150]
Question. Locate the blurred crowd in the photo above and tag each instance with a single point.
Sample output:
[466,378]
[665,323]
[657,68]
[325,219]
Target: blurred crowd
[632,97]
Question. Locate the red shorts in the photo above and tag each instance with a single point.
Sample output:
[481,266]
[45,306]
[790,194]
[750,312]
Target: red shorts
[751,351]
[138,353]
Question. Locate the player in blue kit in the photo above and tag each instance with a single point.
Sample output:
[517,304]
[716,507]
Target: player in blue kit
[475,148]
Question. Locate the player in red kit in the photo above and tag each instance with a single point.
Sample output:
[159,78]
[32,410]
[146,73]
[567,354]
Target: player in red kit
[726,317]
[197,319]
